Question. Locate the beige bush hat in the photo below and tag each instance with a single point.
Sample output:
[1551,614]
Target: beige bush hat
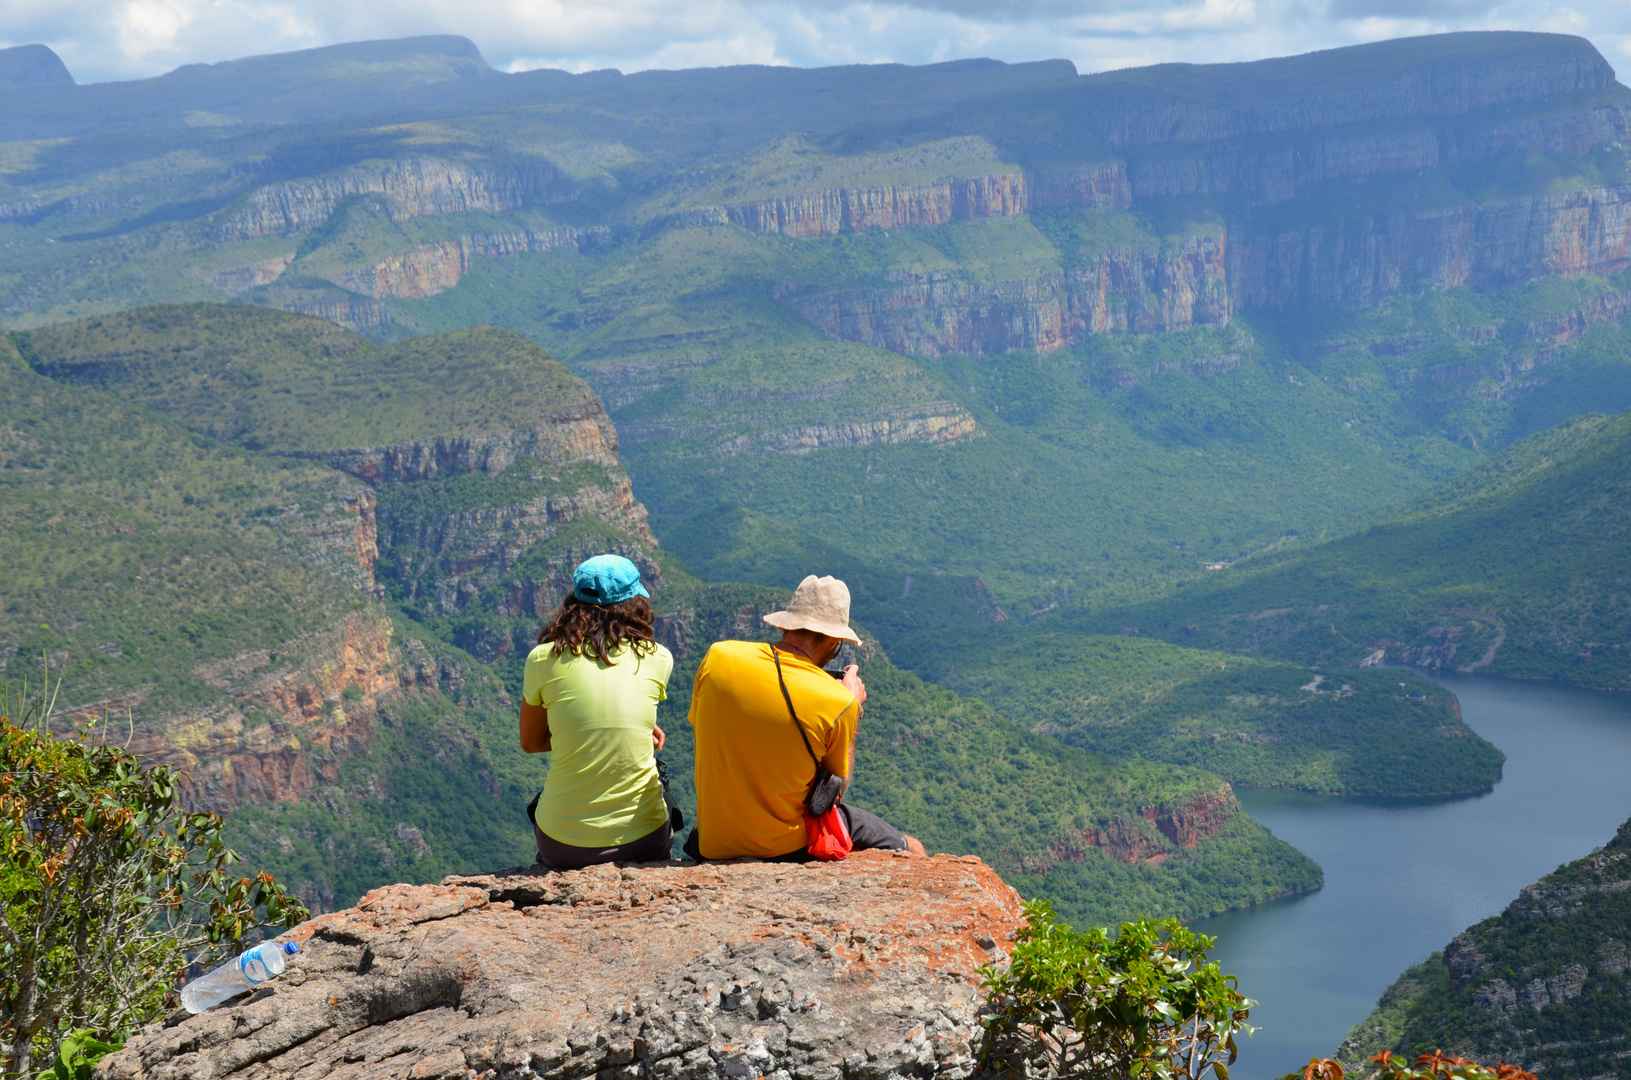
[820,604]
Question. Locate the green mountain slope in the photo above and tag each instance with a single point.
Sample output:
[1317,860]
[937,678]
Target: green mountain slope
[1541,985]
[1517,567]
[1254,722]
[137,554]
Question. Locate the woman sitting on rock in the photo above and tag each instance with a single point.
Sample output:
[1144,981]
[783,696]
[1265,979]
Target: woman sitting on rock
[590,697]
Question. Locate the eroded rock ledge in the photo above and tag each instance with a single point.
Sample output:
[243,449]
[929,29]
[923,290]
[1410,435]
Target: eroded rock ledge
[864,969]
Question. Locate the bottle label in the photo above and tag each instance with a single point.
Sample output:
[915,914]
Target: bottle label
[253,967]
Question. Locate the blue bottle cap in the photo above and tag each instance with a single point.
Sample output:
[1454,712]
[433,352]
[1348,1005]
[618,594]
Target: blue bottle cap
[290,948]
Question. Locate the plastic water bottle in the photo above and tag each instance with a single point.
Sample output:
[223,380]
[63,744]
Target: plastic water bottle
[251,968]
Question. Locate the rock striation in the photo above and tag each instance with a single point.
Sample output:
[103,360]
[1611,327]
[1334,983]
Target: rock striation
[1152,290]
[433,268]
[413,187]
[861,969]
[1153,835]
[894,206]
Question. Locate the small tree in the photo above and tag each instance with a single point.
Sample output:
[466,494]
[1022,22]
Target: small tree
[1143,1004]
[108,887]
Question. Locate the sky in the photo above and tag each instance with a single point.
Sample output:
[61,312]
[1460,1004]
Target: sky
[102,40]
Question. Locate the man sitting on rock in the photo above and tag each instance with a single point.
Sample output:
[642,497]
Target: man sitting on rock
[753,768]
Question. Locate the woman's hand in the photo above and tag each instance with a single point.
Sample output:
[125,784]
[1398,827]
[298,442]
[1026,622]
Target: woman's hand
[657,737]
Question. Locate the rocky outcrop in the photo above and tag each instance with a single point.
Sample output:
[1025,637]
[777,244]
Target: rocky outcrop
[358,314]
[895,206]
[1360,262]
[1145,291]
[290,714]
[859,969]
[433,268]
[239,281]
[1154,834]
[941,423]
[952,427]
[412,187]
[581,432]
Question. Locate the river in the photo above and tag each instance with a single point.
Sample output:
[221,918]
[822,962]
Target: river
[1404,876]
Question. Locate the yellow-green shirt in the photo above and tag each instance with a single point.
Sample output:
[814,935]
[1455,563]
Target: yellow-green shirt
[752,768]
[602,789]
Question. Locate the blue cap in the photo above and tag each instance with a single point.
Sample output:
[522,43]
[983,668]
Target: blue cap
[607,579]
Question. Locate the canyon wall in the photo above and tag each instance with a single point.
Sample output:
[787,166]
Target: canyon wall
[1152,836]
[433,268]
[1356,262]
[1360,262]
[413,186]
[1143,291]
[970,198]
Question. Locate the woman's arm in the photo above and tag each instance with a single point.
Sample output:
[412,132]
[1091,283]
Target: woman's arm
[534,728]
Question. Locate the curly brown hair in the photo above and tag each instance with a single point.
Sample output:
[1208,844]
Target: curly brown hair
[585,629]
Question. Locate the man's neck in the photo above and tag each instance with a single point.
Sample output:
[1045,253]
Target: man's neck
[798,650]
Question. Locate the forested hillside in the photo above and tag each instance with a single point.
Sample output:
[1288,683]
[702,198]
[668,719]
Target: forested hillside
[1516,567]
[1541,985]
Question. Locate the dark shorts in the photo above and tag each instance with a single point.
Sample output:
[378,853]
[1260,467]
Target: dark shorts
[866,830]
[652,847]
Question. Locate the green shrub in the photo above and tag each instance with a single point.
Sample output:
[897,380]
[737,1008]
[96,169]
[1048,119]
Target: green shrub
[108,888]
[1141,1004]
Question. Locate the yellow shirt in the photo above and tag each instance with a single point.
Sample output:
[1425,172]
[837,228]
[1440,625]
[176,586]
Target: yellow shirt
[602,789]
[751,766]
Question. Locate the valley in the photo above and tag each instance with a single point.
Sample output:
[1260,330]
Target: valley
[1166,424]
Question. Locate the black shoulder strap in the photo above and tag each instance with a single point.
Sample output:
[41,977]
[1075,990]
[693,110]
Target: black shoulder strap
[775,654]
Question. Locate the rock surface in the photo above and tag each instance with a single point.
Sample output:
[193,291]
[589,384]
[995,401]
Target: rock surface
[864,968]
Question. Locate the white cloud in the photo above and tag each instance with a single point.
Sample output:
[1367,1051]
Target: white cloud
[118,39]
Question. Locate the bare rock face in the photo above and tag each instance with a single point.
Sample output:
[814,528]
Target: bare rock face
[859,969]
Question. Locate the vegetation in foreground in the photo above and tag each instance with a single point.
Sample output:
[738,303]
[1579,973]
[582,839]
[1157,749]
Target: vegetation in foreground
[1140,1003]
[109,889]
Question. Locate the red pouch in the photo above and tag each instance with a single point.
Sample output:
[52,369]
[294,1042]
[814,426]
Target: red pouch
[828,836]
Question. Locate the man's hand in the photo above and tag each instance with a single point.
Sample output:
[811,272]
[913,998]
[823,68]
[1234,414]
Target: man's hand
[852,682]
[657,737]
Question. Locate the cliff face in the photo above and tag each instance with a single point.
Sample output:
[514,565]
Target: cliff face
[1354,262]
[969,198]
[434,268]
[1154,834]
[414,186]
[1147,291]
[1361,262]
[864,968]
[291,716]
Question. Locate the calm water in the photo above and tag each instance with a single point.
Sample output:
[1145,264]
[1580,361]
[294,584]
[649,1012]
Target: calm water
[1402,877]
